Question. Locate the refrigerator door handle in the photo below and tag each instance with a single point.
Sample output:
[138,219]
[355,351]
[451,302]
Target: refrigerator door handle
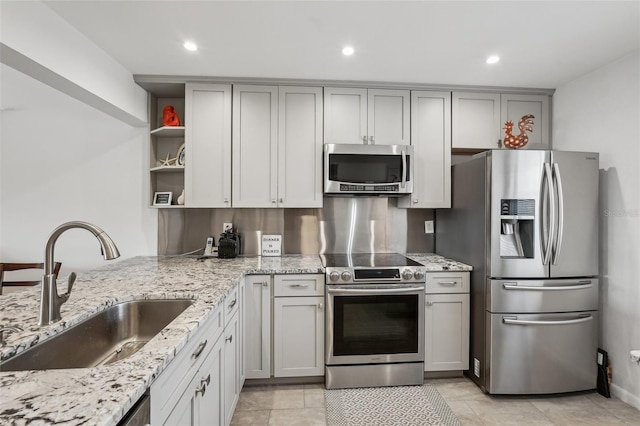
[558,239]
[516,321]
[548,211]
[580,286]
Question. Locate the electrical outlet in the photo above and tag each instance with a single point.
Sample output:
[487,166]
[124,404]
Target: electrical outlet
[476,367]
[227,226]
[428,227]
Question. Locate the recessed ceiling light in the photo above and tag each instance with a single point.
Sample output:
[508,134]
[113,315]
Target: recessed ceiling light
[493,59]
[189,45]
[347,51]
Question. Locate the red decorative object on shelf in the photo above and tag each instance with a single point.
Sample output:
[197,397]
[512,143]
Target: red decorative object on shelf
[525,124]
[170,116]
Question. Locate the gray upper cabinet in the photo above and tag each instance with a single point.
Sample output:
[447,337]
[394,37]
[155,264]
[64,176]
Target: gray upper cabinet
[366,116]
[431,141]
[277,146]
[478,119]
[208,145]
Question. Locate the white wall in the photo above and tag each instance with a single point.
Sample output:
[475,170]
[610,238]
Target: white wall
[600,112]
[62,160]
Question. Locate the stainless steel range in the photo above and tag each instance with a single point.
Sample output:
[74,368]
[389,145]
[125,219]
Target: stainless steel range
[374,320]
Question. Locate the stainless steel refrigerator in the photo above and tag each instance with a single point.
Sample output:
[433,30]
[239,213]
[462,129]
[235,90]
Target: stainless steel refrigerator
[527,221]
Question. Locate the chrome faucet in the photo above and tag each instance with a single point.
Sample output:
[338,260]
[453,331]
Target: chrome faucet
[50,301]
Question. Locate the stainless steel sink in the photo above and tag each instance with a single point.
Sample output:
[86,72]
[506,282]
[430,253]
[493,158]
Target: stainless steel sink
[109,336]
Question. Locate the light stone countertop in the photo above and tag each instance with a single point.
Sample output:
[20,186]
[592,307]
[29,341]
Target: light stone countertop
[103,395]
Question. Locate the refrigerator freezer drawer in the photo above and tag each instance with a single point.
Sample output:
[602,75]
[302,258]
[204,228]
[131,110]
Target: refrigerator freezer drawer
[541,354]
[538,296]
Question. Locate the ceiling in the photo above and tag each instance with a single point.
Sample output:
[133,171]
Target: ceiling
[542,44]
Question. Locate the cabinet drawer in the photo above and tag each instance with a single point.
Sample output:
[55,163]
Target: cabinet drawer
[170,385]
[447,282]
[231,304]
[299,285]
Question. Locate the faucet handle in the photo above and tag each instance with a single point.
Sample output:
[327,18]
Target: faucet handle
[72,279]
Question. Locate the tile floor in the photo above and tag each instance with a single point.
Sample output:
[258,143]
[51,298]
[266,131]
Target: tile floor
[285,405]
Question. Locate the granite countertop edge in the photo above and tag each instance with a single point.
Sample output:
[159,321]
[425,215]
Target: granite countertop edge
[103,395]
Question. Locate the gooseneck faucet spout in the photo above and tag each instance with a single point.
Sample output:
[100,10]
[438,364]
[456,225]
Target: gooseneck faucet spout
[50,301]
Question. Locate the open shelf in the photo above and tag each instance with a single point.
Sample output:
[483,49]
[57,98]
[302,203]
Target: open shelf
[167,169]
[168,131]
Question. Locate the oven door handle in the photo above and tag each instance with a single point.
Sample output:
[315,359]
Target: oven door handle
[389,290]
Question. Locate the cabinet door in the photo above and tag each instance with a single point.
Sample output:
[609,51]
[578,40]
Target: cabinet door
[300,147]
[345,115]
[446,332]
[231,374]
[208,404]
[208,145]
[254,148]
[514,107]
[431,140]
[388,117]
[298,336]
[257,326]
[476,120]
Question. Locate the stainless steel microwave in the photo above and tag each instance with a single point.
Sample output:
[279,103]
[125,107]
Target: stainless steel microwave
[352,169]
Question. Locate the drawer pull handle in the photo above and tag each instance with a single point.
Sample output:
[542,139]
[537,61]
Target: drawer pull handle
[199,350]
[580,286]
[447,282]
[229,339]
[263,283]
[515,320]
[299,285]
[233,303]
[201,389]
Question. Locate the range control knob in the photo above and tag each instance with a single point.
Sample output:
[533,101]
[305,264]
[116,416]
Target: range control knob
[334,276]
[419,274]
[407,274]
[346,276]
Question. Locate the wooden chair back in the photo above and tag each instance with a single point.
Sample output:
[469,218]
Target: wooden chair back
[6,267]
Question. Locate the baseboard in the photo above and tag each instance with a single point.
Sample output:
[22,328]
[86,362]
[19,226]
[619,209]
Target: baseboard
[307,380]
[443,374]
[625,396]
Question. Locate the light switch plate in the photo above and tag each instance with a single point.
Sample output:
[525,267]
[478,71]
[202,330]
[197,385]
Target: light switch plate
[428,227]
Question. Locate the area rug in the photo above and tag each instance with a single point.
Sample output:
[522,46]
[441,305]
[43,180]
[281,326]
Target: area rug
[386,406]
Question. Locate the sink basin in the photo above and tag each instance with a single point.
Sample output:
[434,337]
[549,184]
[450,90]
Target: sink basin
[109,336]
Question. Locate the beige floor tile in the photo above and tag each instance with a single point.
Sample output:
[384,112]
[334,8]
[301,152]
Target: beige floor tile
[314,397]
[270,399]
[298,417]
[508,412]
[457,389]
[464,413]
[251,418]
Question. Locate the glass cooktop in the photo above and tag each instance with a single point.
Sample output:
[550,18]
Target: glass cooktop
[366,260]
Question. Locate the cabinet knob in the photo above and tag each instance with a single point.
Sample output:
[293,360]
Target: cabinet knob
[201,389]
[233,303]
[273,201]
[229,339]
[429,303]
[206,381]
[226,200]
[415,201]
[372,141]
[499,143]
[320,306]
[265,284]
[364,140]
[282,200]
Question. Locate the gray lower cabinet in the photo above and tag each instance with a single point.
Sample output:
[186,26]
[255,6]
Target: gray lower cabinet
[202,384]
[284,325]
[447,321]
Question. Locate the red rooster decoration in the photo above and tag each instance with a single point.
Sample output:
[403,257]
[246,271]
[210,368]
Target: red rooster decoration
[525,125]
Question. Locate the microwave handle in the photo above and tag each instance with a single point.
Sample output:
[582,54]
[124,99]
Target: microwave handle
[404,169]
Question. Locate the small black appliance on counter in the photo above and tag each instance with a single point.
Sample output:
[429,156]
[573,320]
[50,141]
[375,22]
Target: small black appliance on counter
[228,245]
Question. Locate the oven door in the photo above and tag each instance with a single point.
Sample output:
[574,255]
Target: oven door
[374,324]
